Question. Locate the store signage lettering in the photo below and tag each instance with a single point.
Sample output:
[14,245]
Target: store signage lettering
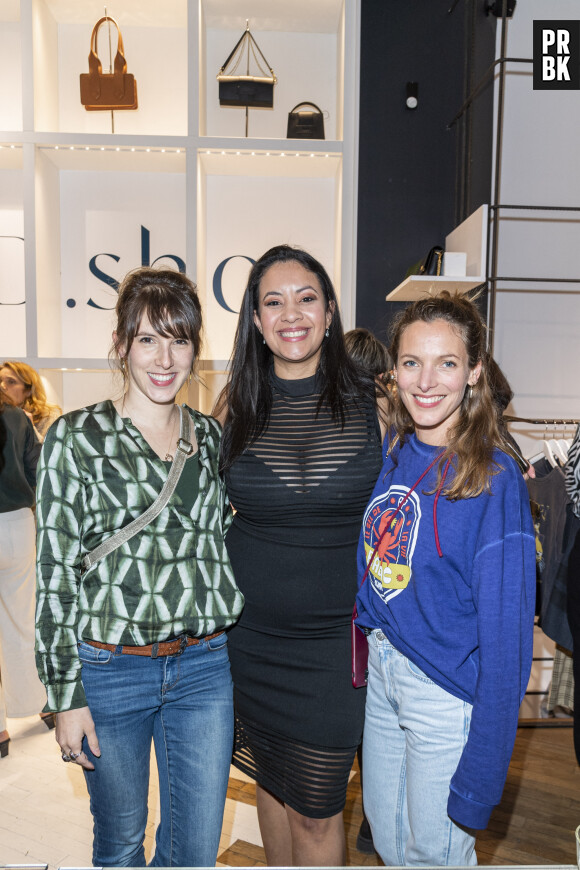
[218,291]
[557,55]
[97,269]
[99,273]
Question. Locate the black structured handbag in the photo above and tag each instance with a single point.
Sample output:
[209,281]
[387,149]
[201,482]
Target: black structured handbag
[429,265]
[305,124]
[246,90]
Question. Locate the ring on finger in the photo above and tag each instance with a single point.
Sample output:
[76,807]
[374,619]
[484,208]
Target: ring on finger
[65,757]
[74,755]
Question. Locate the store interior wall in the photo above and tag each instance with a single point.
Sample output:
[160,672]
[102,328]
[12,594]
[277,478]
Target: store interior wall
[537,325]
[418,177]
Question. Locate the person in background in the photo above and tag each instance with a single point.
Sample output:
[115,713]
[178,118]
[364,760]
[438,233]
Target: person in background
[447,567]
[132,646]
[301,449]
[369,353]
[22,386]
[21,692]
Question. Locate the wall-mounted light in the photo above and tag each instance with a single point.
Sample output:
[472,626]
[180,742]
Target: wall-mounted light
[495,7]
[412,95]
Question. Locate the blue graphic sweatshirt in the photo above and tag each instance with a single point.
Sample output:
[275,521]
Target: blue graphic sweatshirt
[464,617]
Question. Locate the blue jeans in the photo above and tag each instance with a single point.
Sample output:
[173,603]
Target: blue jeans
[414,735]
[184,704]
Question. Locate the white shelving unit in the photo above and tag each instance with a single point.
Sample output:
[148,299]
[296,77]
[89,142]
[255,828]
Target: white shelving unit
[176,178]
[469,237]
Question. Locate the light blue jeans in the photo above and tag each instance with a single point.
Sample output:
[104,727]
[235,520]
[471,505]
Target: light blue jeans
[414,735]
[184,704]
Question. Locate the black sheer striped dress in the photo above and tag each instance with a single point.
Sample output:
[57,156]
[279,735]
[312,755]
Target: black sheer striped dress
[299,491]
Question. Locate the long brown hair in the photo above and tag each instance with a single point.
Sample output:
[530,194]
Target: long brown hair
[474,437]
[35,402]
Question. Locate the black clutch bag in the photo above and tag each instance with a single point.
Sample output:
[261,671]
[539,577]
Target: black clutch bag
[429,265]
[305,124]
[249,91]
[255,91]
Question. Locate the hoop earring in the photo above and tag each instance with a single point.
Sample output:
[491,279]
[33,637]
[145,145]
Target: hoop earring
[470,393]
[122,364]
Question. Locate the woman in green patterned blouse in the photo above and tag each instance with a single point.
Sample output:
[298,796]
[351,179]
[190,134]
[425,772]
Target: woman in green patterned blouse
[133,649]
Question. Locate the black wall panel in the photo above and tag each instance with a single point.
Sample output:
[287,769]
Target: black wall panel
[416,175]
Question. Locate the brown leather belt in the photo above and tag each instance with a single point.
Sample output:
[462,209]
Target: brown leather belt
[154,650]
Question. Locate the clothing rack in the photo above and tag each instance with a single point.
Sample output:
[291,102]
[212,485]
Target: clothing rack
[544,422]
[555,722]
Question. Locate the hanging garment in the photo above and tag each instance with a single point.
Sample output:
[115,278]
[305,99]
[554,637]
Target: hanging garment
[555,532]
[572,473]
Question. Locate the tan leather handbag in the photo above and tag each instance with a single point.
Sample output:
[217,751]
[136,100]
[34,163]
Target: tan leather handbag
[107,91]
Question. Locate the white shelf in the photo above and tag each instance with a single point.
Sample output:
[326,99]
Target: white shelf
[470,237]
[416,286]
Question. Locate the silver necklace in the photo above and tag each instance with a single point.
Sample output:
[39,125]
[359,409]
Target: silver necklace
[168,455]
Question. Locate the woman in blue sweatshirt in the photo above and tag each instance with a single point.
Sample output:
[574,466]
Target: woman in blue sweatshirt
[447,566]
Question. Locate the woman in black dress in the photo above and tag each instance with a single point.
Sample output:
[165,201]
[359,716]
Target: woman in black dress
[301,453]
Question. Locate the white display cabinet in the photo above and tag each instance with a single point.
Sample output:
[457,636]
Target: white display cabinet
[12,253]
[303,42]
[175,182]
[156,49]
[10,66]
[117,208]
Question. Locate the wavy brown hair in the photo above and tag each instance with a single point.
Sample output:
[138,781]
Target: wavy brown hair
[170,301]
[475,436]
[36,402]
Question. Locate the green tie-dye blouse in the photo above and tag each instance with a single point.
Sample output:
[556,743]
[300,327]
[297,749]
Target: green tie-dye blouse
[96,474]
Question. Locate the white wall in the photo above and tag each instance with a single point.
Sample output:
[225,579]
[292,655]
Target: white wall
[102,214]
[11,76]
[294,211]
[537,337]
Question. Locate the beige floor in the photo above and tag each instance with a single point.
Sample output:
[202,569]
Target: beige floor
[44,808]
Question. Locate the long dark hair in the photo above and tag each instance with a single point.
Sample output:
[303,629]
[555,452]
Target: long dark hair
[475,435]
[247,396]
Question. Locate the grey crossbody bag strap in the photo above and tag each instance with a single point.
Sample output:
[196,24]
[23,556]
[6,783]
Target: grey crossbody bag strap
[184,449]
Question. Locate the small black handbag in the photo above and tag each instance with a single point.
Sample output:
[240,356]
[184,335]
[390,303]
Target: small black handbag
[305,125]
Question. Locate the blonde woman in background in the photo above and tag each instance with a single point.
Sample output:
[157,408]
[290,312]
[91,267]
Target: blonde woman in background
[21,692]
[22,386]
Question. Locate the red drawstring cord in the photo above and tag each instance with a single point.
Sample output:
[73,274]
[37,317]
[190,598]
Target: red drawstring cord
[398,508]
[437,494]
